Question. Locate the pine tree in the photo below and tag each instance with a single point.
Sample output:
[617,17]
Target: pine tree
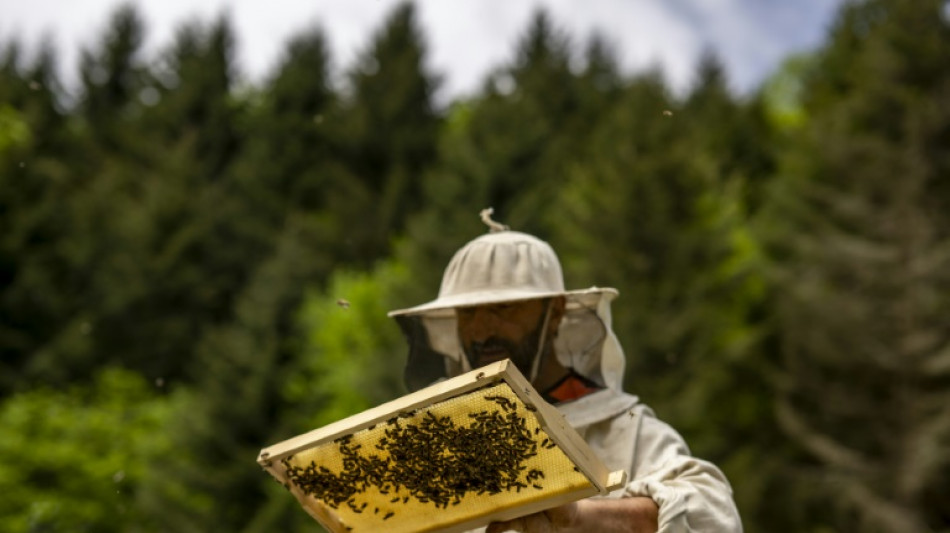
[522,129]
[732,131]
[859,239]
[278,216]
[508,148]
[290,149]
[654,207]
[178,211]
[237,406]
[195,109]
[38,295]
[112,78]
[600,197]
[292,165]
[388,126]
[600,80]
[98,237]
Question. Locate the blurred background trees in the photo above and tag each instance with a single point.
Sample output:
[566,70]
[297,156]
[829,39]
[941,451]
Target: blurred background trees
[192,268]
[859,240]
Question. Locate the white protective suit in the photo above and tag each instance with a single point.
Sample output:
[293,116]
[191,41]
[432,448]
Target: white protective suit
[692,495]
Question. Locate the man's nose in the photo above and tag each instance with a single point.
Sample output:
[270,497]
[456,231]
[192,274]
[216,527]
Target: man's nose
[483,325]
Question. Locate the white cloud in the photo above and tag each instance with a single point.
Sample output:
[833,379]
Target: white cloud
[467,38]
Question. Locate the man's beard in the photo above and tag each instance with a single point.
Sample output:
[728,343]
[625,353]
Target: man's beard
[495,348]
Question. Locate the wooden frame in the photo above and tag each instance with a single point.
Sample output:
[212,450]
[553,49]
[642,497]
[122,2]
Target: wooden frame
[547,416]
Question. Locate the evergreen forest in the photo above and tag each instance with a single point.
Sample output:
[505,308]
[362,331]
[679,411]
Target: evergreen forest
[194,267]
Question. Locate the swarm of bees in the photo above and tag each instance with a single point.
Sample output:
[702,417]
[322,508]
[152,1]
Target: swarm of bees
[431,459]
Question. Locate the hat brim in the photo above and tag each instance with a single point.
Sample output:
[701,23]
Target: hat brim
[447,304]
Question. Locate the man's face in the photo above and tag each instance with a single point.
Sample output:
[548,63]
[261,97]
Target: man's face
[490,333]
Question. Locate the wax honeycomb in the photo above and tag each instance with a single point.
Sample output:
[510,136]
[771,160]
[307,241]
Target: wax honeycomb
[436,466]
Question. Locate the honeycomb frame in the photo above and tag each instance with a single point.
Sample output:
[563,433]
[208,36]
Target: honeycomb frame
[454,456]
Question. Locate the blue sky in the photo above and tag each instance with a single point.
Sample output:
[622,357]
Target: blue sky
[466,38]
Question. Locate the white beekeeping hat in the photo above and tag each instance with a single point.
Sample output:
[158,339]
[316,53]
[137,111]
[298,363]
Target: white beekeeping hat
[509,266]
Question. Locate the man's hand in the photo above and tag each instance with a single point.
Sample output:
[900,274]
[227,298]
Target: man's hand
[633,515]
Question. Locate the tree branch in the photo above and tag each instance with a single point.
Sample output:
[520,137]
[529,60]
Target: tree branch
[822,447]
[879,511]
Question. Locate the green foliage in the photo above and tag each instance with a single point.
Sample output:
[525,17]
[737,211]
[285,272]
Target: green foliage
[236,406]
[508,148]
[519,137]
[33,184]
[388,128]
[74,460]
[195,112]
[658,207]
[13,132]
[858,236]
[345,370]
[288,160]
[113,78]
[782,93]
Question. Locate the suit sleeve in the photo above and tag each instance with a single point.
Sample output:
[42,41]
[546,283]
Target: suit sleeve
[693,495]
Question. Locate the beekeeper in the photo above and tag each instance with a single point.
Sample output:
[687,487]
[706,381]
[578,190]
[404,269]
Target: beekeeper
[502,296]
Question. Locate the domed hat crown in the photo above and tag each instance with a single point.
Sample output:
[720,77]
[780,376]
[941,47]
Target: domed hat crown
[498,267]
[509,266]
